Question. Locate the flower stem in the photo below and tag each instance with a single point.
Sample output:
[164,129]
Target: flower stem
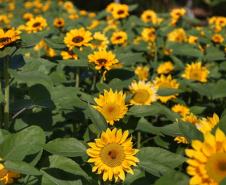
[6,91]
[77,78]
[138,139]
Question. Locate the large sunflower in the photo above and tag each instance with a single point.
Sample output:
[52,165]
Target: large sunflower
[166,82]
[35,24]
[103,59]
[7,177]
[77,38]
[207,159]
[113,154]
[196,71]
[119,38]
[111,105]
[8,37]
[144,93]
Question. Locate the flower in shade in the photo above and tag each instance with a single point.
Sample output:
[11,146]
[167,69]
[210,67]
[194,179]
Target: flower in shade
[144,93]
[166,82]
[8,37]
[113,154]
[165,68]
[6,176]
[78,38]
[192,39]
[196,71]
[103,59]
[181,139]
[111,105]
[68,55]
[142,72]
[176,14]
[207,159]
[119,38]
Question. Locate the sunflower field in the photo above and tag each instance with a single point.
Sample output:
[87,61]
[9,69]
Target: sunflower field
[110,97]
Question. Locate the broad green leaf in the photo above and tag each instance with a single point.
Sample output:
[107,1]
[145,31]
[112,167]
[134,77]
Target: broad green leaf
[129,59]
[213,53]
[168,91]
[21,167]
[68,147]
[158,161]
[223,182]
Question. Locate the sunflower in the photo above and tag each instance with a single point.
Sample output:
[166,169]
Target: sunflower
[181,109]
[113,154]
[181,139]
[166,82]
[207,124]
[58,22]
[177,35]
[149,16]
[165,68]
[100,41]
[144,93]
[8,37]
[7,177]
[103,59]
[196,71]
[120,11]
[148,34]
[35,24]
[142,72]
[207,159]
[111,105]
[176,14]
[77,38]
[217,38]
[119,38]
[68,55]
[192,39]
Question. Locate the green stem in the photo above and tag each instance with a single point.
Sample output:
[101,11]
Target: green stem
[94,82]
[138,139]
[77,78]
[6,92]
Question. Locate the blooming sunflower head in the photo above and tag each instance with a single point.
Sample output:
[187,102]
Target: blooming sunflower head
[144,93]
[113,154]
[35,24]
[58,22]
[148,34]
[207,159]
[100,41]
[103,59]
[6,176]
[181,109]
[78,38]
[217,38]
[142,72]
[177,35]
[196,71]
[8,37]
[176,14]
[192,39]
[119,38]
[165,68]
[111,105]
[120,11]
[149,16]
[166,82]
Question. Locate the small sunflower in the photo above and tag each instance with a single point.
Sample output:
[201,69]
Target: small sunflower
[166,82]
[181,109]
[148,34]
[111,105]
[120,11]
[196,71]
[35,24]
[149,16]
[177,35]
[176,14]
[165,68]
[181,139]
[144,93]
[217,38]
[207,159]
[113,154]
[27,16]
[207,124]
[192,39]
[100,41]
[142,72]
[68,55]
[103,59]
[8,37]
[6,176]
[77,38]
[58,22]
[191,118]
[119,38]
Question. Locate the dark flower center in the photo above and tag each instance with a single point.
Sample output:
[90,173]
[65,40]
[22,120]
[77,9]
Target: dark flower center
[119,37]
[5,39]
[77,39]
[112,154]
[222,166]
[101,61]
[121,12]
[37,24]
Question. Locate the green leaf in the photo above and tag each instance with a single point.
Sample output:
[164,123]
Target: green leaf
[197,109]
[168,91]
[158,161]
[28,141]
[173,178]
[68,147]
[223,182]
[213,54]
[21,167]
[130,59]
